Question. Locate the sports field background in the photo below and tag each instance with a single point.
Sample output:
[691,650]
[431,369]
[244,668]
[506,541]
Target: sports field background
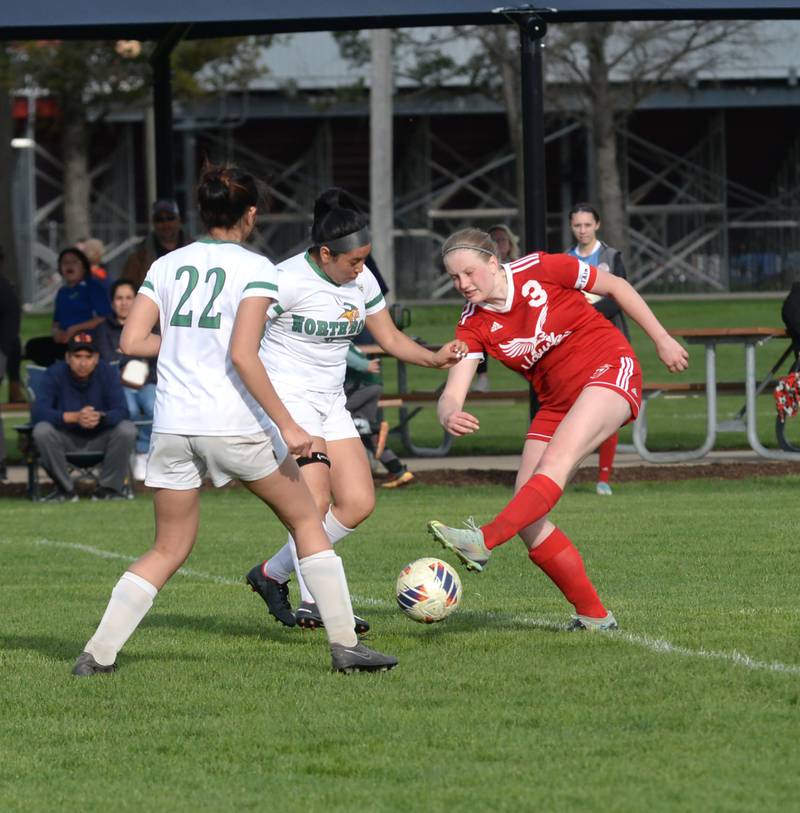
[673,423]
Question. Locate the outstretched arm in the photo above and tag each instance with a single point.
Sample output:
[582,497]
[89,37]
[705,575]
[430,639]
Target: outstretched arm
[673,354]
[397,344]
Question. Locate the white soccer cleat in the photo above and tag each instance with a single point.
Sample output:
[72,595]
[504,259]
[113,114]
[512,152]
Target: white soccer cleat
[467,543]
[586,622]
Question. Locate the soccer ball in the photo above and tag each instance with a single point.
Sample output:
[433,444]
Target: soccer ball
[428,590]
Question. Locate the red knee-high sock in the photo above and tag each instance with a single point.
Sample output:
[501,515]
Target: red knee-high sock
[533,501]
[560,560]
[608,449]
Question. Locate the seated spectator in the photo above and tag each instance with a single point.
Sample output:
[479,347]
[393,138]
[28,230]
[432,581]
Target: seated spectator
[80,406]
[363,390]
[81,304]
[139,385]
[94,250]
[167,235]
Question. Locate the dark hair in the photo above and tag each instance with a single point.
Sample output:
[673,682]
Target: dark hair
[87,266]
[117,284]
[224,194]
[335,215]
[585,207]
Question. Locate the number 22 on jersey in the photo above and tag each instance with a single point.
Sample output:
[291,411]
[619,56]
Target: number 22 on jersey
[206,320]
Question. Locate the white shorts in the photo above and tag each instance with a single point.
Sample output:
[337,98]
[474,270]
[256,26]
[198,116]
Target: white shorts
[180,462]
[321,414]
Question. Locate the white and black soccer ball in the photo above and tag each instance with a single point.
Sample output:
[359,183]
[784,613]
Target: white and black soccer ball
[428,590]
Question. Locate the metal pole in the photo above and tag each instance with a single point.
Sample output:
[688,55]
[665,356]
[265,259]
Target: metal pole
[162,110]
[161,64]
[381,179]
[531,33]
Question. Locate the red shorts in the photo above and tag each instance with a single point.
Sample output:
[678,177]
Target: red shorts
[619,373]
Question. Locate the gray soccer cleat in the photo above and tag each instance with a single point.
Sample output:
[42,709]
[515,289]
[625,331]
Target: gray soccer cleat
[586,622]
[308,618]
[86,666]
[467,543]
[359,658]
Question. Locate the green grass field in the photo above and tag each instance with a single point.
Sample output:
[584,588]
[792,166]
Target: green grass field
[693,705]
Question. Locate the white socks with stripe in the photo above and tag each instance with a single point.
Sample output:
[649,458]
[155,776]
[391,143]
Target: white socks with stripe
[324,574]
[281,566]
[130,600]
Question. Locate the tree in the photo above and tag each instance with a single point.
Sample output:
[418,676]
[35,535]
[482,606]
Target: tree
[609,67]
[613,67]
[87,79]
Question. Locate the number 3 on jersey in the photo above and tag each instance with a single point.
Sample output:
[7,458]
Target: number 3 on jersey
[534,292]
[206,320]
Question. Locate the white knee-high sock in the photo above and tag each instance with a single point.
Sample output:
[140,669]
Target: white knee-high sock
[324,574]
[336,532]
[281,566]
[130,600]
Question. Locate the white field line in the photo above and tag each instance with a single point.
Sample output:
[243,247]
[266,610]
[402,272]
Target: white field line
[657,645]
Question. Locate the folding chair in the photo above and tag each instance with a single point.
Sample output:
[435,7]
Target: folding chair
[82,464]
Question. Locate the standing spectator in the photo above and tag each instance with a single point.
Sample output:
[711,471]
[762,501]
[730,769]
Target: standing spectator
[81,304]
[584,221]
[139,379]
[167,235]
[508,247]
[10,346]
[80,407]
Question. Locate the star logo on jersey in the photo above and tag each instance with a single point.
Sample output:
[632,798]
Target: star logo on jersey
[536,346]
[496,326]
[350,312]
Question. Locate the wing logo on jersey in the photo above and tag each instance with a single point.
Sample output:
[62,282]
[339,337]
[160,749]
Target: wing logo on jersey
[350,312]
[536,346]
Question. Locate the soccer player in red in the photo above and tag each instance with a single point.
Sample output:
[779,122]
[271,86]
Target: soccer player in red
[531,315]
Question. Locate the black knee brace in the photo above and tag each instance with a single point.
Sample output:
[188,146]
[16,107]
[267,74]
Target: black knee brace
[314,457]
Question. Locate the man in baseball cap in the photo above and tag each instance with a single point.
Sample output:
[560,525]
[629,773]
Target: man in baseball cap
[80,407]
[167,235]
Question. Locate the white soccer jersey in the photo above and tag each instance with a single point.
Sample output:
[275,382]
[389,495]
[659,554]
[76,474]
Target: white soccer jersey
[312,323]
[198,289]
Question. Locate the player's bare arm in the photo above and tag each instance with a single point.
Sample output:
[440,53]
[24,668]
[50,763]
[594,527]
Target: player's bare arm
[450,408]
[137,337]
[673,354]
[397,344]
[248,329]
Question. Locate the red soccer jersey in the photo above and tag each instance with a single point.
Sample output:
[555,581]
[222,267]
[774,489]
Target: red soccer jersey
[546,330]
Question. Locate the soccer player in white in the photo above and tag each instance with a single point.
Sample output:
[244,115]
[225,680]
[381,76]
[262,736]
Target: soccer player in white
[326,296]
[217,414]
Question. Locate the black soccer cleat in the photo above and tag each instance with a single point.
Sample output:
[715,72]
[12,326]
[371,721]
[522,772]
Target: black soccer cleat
[359,658]
[275,595]
[308,618]
[86,666]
